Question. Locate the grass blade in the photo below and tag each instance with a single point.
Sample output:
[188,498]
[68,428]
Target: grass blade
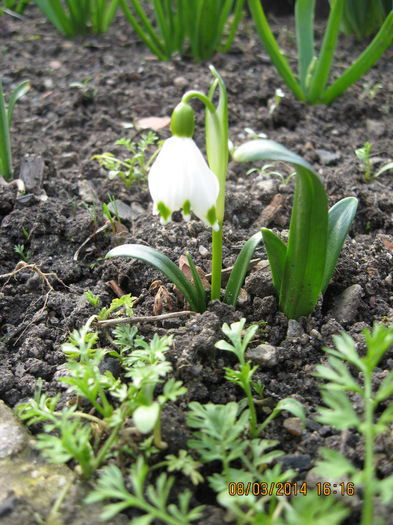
[55,13]
[340,219]
[162,263]
[304,16]
[18,93]
[276,251]
[240,268]
[5,146]
[363,63]
[322,70]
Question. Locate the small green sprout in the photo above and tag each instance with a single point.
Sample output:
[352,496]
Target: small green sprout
[240,339]
[5,125]
[340,412]
[92,299]
[86,90]
[20,250]
[278,95]
[135,169]
[363,154]
[267,171]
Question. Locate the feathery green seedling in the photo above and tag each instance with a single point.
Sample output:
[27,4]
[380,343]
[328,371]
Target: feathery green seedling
[303,269]
[5,126]
[135,169]
[94,300]
[74,17]
[199,24]
[20,250]
[151,500]
[88,437]
[243,376]
[340,413]
[313,70]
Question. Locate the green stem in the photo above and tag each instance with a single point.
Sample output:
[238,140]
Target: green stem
[253,415]
[369,469]
[216,263]
[201,96]
[104,449]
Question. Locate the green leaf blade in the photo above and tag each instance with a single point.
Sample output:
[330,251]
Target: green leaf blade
[162,263]
[341,216]
[276,251]
[240,269]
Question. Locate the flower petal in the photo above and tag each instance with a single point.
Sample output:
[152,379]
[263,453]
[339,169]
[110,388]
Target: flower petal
[181,178]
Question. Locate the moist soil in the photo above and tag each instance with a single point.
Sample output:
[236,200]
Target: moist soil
[56,129]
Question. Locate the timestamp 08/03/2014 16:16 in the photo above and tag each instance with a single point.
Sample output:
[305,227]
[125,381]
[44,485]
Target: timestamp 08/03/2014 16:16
[290,488]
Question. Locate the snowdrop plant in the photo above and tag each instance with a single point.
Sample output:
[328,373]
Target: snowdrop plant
[302,270]
[180,178]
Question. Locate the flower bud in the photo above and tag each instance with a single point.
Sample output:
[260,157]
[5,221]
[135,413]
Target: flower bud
[182,121]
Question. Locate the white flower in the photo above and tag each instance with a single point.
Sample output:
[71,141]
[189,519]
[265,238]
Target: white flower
[181,179]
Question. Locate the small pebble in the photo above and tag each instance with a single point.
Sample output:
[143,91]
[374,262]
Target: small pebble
[293,425]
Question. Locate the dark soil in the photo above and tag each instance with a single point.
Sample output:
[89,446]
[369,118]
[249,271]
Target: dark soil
[55,132]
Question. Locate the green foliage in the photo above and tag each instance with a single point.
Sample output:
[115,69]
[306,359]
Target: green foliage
[363,18]
[5,126]
[17,6]
[313,70]
[89,438]
[75,17]
[339,411]
[180,24]
[303,269]
[151,500]
[363,154]
[20,250]
[135,169]
[243,376]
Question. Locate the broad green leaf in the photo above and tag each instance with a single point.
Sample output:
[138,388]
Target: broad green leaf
[306,252]
[166,266]
[276,251]
[340,219]
[240,268]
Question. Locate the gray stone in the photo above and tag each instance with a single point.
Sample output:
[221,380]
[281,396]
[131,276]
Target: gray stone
[375,127]
[13,437]
[295,329]
[293,425]
[347,303]
[87,192]
[264,354]
[126,212]
[328,158]
[31,172]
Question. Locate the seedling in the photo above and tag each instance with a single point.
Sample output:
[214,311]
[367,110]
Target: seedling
[135,169]
[87,92]
[20,250]
[340,412]
[363,154]
[183,27]
[302,270]
[5,126]
[313,70]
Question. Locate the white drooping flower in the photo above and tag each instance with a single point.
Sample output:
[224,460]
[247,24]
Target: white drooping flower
[181,179]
